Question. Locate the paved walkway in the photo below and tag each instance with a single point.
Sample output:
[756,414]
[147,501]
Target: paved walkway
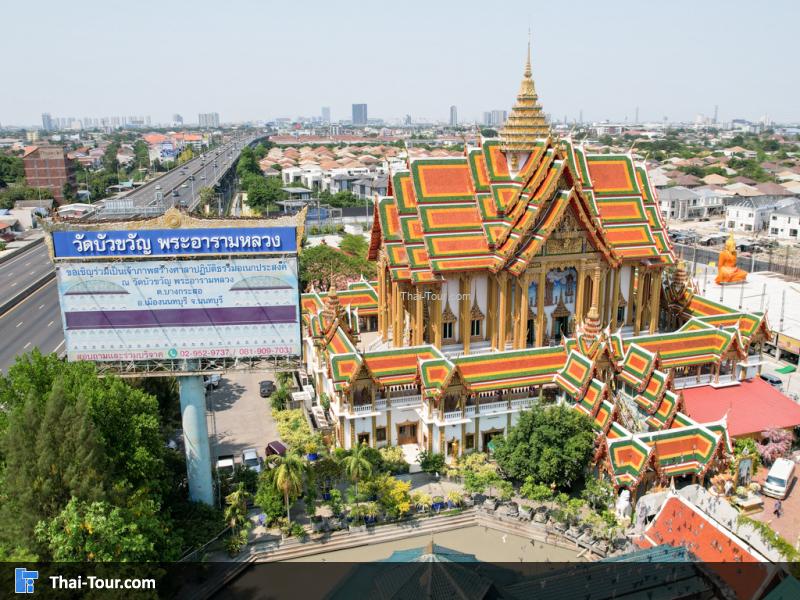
[788,524]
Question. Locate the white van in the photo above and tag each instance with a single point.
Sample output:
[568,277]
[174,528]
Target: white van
[779,479]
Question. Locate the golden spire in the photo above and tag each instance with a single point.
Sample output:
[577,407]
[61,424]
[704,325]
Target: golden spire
[526,123]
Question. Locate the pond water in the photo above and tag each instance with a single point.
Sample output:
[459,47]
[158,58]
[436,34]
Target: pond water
[488,545]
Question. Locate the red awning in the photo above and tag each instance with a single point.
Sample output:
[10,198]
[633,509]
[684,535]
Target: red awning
[752,407]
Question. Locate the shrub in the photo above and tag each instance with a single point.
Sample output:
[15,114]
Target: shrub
[394,460]
[431,462]
[297,531]
[270,500]
[538,492]
[598,493]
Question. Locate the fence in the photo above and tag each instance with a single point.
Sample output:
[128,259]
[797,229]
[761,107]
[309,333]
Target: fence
[777,262]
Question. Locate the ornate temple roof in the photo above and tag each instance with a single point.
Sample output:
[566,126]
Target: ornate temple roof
[526,124]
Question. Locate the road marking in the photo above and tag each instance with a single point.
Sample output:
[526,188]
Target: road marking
[27,263]
[41,306]
[50,323]
[59,346]
[27,298]
[26,345]
[32,272]
[20,323]
[10,274]
[13,284]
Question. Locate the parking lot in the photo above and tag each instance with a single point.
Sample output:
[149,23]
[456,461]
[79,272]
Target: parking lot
[238,417]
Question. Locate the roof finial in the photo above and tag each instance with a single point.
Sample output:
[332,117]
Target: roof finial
[528,71]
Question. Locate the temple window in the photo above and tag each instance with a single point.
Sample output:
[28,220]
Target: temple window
[448,323]
[363,438]
[380,434]
[476,321]
[469,441]
[447,331]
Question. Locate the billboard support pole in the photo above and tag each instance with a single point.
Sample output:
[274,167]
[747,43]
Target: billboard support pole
[195,438]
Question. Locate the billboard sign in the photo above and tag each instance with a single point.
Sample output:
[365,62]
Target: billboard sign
[145,243]
[176,309]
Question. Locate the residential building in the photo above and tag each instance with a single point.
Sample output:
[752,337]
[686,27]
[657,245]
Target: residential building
[753,214]
[680,203]
[326,114]
[784,223]
[368,187]
[208,120]
[359,114]
[453,116]
[495,118]
[49,167]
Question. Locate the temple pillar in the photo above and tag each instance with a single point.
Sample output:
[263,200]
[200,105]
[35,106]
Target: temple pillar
[603,300]
[540,306]
[615,298]
[418,316]
[637,323]
[596,286]
[522,330]
[435,311]
[503,311]
[655,300]
[464,311]
[397,337]
[491,310]
[579,292]
[631,304]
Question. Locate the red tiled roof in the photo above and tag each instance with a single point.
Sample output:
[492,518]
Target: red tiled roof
[680,523]
[752,407]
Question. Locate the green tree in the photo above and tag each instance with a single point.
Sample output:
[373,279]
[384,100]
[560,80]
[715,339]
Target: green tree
[99,531]
[550,444]
[269,499]
[288,476]
[354,245]
[598,493]
[431,462]
[357,466]
[11,170]
[321,263]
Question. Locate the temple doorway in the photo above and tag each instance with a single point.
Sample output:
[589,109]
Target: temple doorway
[407,433]
[487,438]
[531,337]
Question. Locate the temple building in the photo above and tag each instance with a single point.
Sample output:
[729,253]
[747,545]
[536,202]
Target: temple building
[526,271]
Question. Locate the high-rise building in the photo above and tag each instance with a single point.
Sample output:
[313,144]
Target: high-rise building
[453,116]
[359,114]
[326,114]
[495,118]
[208,120]
[47,122]
[49,167]
[177,119]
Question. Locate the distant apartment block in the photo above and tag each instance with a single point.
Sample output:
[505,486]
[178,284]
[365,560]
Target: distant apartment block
[453,116]
[359,114]
[47,122]
[495,118]
[208,120]
[326,114]
[49,167]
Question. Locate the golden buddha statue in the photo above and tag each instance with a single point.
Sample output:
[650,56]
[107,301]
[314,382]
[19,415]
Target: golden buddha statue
[728,272]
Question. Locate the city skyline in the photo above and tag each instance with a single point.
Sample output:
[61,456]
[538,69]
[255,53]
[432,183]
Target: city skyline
[664,79]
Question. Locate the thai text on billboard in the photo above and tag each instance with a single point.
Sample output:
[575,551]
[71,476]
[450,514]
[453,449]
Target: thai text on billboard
[175,309]
[173,242]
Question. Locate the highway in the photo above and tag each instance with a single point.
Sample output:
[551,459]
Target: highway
[19,272]
[180,186]
[33,323]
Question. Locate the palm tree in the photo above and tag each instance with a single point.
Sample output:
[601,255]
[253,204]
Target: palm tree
[236,507]
[288,477]
[356,465]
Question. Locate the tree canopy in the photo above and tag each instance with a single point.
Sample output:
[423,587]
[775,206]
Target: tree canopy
[549,444]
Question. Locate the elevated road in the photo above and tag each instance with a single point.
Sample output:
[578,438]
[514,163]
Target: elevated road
[181,186]
[33,323]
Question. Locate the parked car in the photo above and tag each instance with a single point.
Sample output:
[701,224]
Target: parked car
[275,448]
[266,387]
[779,479]
[226,464]
[212,381]
[251,460]
[773,380]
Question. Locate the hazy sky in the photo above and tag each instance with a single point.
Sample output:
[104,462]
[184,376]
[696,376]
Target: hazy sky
[250,59]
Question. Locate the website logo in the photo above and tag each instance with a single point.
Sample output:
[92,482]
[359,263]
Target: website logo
[24,579]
